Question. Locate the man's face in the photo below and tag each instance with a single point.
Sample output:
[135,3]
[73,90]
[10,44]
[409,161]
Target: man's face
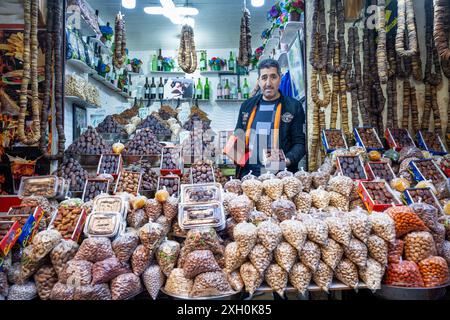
[269,82]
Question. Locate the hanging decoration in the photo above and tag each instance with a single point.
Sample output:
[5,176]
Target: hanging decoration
[392,84]
[381,46]
[120,42]
[440,23]
[245,42]
[187,55]
[406,28]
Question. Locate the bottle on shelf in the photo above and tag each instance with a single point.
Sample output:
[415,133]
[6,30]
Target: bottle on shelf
[125,85]
[130,86]
[161,89]
[203,64]
[199,90]
[99,61]
[146,89]
[246,90]
[160,61]
[154,63]
[231,62]
[153,89]
[226,93]
[219,93]
[206,90]
[239,94]
[112,76]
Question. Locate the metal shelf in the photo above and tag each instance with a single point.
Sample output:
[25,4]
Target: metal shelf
[220,73]
[290,32]
[110,86]
[81,102]
[173,73]
[80,66]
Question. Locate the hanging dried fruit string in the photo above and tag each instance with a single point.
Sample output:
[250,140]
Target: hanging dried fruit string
[381,46]
[187,55]
[440,21]
[417,63]
[392,84]
[30,74]
[245,42]
[362,98]
[406,28]
[352,85]
[119,42]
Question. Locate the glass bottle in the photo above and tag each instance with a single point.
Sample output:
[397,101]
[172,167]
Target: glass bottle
[153,89]
[160,60]
[146,89]
[154,63]
[203,65]
[219,93]
[206,95]
[199,90]
[231,64]
[161,89]
[246,89]
[227,90]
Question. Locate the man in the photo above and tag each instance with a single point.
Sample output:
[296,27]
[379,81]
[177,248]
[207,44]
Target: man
[270,120]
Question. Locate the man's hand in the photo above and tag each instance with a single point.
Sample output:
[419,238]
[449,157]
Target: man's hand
[288,162]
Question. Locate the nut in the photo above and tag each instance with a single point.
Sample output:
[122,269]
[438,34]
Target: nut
[251,277]
[245,234]
[317,230]
[320,198]
[323,276]
[210,284]
[403,274]
[264,204]
[378,249]
[339,201]
[347,272]
[405,220]
[234,186]
[235,280]
[383,226]
[26,291]
[252,188]
[285,255]
[261,258]
[291,186]
[240,208]
[434,271]
[419,245]
[294,232]
[356,252]
[305,178]
[199,261]
[276,277]
[320,179]
[125,286]
[341,184]
[140,260]
[300,277]
[339,230]
[372,274]
[66,220]
[332,253]
[303,202]
[283,209]
[269,235]
[124,245]
[178,284]
[45,279]
[95,249]
[395,251]
[153,209]
[151,235]
[360,224]
[62,253]
[167,255]
[233,259]
[273,188]
[310,255]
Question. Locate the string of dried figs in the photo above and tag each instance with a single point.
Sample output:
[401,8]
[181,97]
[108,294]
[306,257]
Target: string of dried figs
[318,53]
[381,47]
[440,21]
[406,24]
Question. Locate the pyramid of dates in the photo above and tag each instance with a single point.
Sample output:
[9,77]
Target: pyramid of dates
[110,125]
[156,124]
[89,143]
[71,170]
[143,143]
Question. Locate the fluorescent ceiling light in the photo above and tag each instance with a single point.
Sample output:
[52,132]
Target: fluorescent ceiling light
[257,3]
[177,15]
[129,4]
[184,11]
[154,10]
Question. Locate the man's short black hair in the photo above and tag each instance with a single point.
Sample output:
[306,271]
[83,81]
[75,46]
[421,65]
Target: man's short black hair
[267,64]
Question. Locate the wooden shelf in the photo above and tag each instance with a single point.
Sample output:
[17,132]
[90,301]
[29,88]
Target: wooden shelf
[81,102]
[289,33]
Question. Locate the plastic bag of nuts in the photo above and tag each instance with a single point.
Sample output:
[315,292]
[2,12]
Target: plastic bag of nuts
[28,266]
[261,258]
[294,232]
[264,204]
[332,253]
[253,189]
[339,230]
[233,260]
[45,279]
[285,255]
[283,209]
[347,272]
[245,235]
[76,273]
[153,279]
[26,291]
[310,255]
[427,213]
[256,217]
[251,277]
[339,201]
[434,271]
[92,292]
[405,220]
[403,274]
[273,188]
[341,184]
[210,284]
[4,286]
[320,198]
[419,245]
[291,186]
[62,253]
[356,252]
[44,242]
[62,291]
[267,176]
[178,284]
[141,259]
[199,261]
[360,224]
[383,226]
[167,255]
[277,278]
[106,270]
[170,208]
[378,249]
[323,276]
[124,245]
[320,179]
[269,235]
[151,235]
[235,281]
[227,197]
[234,186]
[300,277]
[153,209]
[303,202]
[126,286]
[305,178]
[372,274]
[284,174]
[317,230]
[137,218]
[95,249]
[203,239]
[395,251]
[240,208]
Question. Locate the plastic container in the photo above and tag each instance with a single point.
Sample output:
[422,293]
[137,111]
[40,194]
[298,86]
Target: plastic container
[94,180]
[179,165]
[424,138]
[361,142]
[210,193]
[274,159]
[415,169]
[328,146]
[114,173]
[63,188]
[105,224]
[409,197]
[105,204]
[201,215]
[359,164]
[374,169]
[44,186]
[212,170]
[392,137]
[119,182]
[370,203]
[176,181]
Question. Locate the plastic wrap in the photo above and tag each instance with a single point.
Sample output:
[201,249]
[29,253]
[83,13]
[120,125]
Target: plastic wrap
[167,255]
[320,198]
[153,209]
[405,221]
[76,273]
[210,284]
[339,230]
[235,281]
[269,235]
[300,277]
[427,213]
[360,224]
[277,278]
[253,189]
[356,252]
[251,277]
[419,245]
[44,242]
[170,208]
[395,251]
[92,292]
[339,201]
[372,274]
[317,230]
[273,188]
[347,272]
[45,279]
[434,271]
[445,221]
[141,259]
[95,249]
[227,197]
[378,249]
[26,291]
[234,186]
[240,208]
[410,152]
[341,184]
[265,205]
[323,276]
[198,262]
[383,226]
[285,255]
[124,245]
[28,266]
[233,259]
[62,291]
[294,232]
[399,184]
[332,253]
[256,217]
[4,286]
[203,239]
[106,270]
[125,286]
[137,218]
[178,284]
[403,274]
[445,253]
[151,235]
[153,279]
[283,209]
[245,234]
[305,178]
[310,255]
[303,202]
[291,186]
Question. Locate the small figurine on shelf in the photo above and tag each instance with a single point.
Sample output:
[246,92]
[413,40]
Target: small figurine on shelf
[216,64]
[136,65]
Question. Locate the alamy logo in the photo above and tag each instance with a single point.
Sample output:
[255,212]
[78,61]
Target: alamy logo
[74,16]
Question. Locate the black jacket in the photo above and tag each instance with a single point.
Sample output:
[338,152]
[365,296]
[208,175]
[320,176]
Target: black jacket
[292,137]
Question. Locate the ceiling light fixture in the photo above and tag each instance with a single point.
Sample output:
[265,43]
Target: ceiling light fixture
[129,4]
[154,10]
[177,15]
[257,3]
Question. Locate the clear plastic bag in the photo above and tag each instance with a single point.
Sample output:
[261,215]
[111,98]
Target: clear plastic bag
[167,255]
[372,274]
[300,277]
[303,202]
[383,226]
[26,291]
[269,235]
[62,291]
[294,232]
[153,279]
[434,271]
[427,213]
[234,186]
[45,279]
[284,174]
[124,245]
[285,255]
[320,198]
[310,255]
[403,274]
[166,224]
[339,201]
[439,237]
[245,234]
[94,292]
[320,179]
[378,249]
[405,220]
[261,258]
[203,239]
[137,218]
[305,178]
[267,176]
[283,209]
[153,209]
[395,251]
[356,252]
[410,152]
[141,259]
[347,272]
[28,266]
[151,235]
[291,186]
[77,273]
[445,253]
[240,208]
[233,259]
[419,245]
[273,188]
[323,276]
[332,253]
[445,221]
[4,286]
[341,184]
[95,249]
[62,253]
[339,230]
[199,261]
[265,205]
[360,224]
[210,284]
[125,286]
[256,217]
[14,274]
[251,277]
[231,224]
[248,176]
[317,230]
[235,281]
[253,189]
[178,284]
[227,197]
[106,270]
[44,242]
[277,278]
[170,208]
